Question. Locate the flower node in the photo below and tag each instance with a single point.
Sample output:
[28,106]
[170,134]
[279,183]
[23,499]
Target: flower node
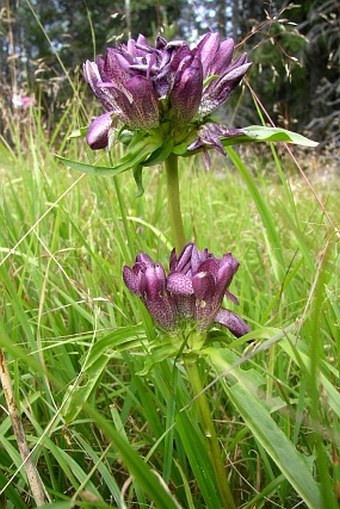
[191,294]
[143,87]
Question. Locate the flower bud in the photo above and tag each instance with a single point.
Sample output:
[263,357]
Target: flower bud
[186,92]
[98,133]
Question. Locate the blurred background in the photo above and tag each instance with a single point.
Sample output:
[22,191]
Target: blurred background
[294,47]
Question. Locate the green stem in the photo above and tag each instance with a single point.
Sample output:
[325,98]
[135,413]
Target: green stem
[210,433]
[121,205]
[174,206]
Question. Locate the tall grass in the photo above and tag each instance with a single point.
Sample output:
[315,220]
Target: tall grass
[110,419]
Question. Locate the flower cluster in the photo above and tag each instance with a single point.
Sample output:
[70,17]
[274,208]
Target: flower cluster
[190,294]
[142,86]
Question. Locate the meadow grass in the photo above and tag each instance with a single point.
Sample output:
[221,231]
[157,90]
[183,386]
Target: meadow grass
[111,420]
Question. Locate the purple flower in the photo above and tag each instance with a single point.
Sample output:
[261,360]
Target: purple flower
[216,60]
[142,86]
[209,136]
[190,294]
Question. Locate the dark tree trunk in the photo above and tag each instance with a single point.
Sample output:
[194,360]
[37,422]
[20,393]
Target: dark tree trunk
[236,19]
[221,17]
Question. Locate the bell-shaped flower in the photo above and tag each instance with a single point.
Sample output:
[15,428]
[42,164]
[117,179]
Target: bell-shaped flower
[191,294]
[148,281]
[146,87]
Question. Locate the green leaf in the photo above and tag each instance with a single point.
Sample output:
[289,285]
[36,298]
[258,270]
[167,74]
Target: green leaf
[94,364]
[78,133]
[159,155]
[199,459]
[299,355]
[210,78]
[138,176]
[258,419]
[11,493]
[277,445]
[141,472]
[261,133]
[253,134]
[157,354]
[137,154]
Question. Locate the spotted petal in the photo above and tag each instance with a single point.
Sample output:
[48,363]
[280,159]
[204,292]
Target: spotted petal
[130,279]
[232,321]
[179,284]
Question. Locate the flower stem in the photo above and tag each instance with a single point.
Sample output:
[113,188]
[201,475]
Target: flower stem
[210,433]
[174,206]
[33,476]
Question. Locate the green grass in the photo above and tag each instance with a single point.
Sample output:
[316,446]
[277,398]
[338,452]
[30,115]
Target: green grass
[111,420]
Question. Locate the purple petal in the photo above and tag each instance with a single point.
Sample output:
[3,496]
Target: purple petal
[145,102]
[138,267]
[219,90]
[236,74]
[131,48]
[232,297]
[151,65]
[185,305]
[207,49]
[100,62]
[130,279]
[98,133]
[187,89]
[143,42]
[204,255]
[179,284]
[233,322]
[160,42]
[145,259]
[209,136]
[225,274]
[184,258]
[172,260]
[178,56]
[163,310]
[125,109]
[204,286]
[154,281]
[223,56]
[195,260]
[242,59]
[106,84]
[92,76]
[210,265]
[116,67]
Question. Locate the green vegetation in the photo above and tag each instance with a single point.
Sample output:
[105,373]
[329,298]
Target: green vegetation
[110,420]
